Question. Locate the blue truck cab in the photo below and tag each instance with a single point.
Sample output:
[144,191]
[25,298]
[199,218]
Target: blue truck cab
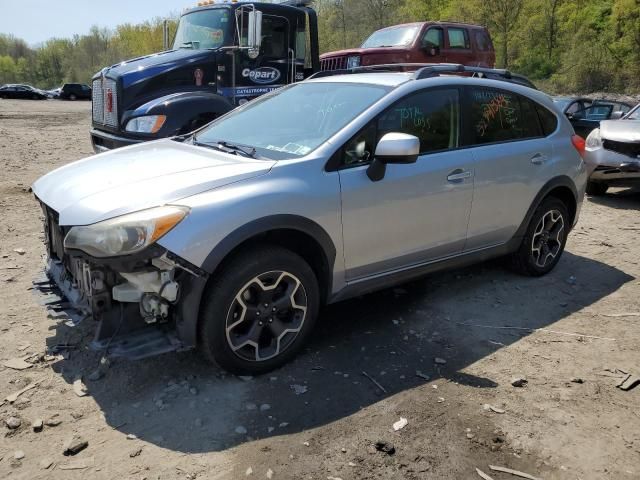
[223,55]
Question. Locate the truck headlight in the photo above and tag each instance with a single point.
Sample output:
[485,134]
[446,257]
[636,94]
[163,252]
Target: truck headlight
[146,124]
[125,234]
[594,141]
[353,61]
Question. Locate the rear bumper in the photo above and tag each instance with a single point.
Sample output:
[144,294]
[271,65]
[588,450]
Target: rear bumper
[103,141]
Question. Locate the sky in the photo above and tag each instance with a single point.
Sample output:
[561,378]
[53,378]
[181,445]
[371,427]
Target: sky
[36,20]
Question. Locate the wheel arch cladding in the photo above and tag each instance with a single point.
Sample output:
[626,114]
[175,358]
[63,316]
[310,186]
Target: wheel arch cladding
[298,234]
[562,188]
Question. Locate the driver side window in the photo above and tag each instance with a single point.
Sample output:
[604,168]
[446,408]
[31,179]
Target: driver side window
[433,38]
[431,115]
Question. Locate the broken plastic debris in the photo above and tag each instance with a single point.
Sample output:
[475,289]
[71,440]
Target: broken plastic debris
[400,424]
[80,388]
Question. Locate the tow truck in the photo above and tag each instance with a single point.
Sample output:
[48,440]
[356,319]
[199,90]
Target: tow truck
[224,54]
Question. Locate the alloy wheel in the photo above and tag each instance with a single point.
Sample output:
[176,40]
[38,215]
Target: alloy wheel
[547,238]
[266,316]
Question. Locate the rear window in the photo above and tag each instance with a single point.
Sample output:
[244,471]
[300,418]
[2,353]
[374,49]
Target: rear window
[483,42]
[500,116]
[548,120]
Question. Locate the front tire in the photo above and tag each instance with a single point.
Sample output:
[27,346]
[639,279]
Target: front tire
[544,240]
[259,310]
[72,97]
[596,188]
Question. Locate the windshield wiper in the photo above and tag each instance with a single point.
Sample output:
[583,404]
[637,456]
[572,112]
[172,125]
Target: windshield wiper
[245,150]
[227,147]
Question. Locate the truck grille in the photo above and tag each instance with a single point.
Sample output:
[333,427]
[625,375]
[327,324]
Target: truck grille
[333,63]
[105,102]
[629,149]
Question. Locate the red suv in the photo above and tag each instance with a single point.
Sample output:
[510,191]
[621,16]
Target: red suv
[421,42]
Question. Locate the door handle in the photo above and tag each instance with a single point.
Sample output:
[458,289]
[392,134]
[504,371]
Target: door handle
[538,159]
[458,175]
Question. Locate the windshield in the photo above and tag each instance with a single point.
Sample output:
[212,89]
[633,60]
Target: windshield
[391,37]
[295,120]
[203,29]
[634,114]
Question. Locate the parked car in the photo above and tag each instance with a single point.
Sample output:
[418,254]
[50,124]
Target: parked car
[75,91]
[54,92]
[421,42]
[17,91]
[585,113]
[613,154]
[233,237]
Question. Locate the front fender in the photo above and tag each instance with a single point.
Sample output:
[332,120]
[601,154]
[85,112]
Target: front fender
[185,111]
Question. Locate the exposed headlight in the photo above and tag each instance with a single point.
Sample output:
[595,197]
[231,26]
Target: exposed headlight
[594,140]
[146,124]
[125,234]
[353,61]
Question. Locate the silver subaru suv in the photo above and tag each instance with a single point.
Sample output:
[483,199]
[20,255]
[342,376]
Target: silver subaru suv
[232,239]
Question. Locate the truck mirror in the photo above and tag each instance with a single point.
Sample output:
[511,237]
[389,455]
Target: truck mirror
[254,35]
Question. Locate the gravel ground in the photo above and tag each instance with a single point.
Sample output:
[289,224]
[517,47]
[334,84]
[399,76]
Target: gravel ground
[570,335]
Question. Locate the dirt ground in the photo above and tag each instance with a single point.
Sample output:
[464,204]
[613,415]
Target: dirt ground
[570,335]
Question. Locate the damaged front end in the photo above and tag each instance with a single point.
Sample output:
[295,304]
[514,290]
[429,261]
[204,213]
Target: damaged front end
[145,302]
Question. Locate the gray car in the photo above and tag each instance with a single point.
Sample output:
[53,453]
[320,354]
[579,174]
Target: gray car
[613,154]
[233,238]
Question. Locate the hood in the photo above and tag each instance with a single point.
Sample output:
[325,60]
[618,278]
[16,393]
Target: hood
[138,177]
[621,130]
[150,65]
[365,51]
[145,78]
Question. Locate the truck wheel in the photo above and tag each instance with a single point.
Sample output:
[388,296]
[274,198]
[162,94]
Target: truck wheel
[72,96]
[544,240]
[259,310]
[596,188]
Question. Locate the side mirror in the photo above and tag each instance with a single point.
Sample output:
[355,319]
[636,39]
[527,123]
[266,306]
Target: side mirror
[616,115]
[431,49]
[254,33]
[393,147]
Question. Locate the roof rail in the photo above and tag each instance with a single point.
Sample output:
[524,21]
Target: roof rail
[384,67]
[428,70]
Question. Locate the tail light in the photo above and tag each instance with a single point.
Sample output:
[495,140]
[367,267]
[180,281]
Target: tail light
[579,144]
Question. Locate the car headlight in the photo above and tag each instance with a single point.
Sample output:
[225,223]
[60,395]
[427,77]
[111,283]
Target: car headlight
[146,124]
[353,61]
[125,234]
[594,140]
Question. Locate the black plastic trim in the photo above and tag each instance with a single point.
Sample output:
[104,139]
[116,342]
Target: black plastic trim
[264,225]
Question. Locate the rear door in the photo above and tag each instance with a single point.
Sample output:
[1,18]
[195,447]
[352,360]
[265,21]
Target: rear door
[458,46]
[512,160]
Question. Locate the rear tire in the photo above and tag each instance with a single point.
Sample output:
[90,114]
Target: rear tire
[596,188]
[258,310]
[544,240]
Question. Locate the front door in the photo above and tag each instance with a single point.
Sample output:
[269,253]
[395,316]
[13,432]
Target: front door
[431,47]
[418,212]
[273,67]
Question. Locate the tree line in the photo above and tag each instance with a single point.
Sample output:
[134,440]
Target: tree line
[564,45]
